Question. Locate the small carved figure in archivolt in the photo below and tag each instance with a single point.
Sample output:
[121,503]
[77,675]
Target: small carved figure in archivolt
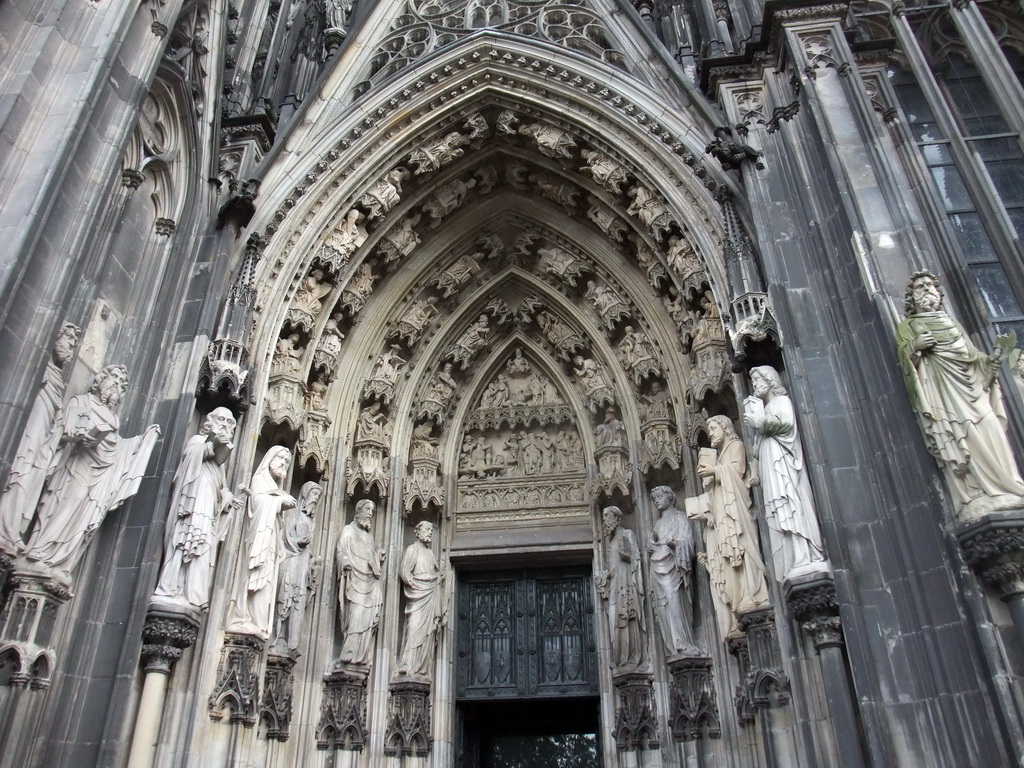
[608,305]
[606,172]
[458,273]
[438,153]
[416,318]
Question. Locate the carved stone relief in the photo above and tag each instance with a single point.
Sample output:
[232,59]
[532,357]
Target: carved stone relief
[447,199]
[381,383]
[455,276]
[606,172]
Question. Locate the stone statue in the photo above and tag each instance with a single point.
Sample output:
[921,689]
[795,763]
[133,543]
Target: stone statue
[329,347]
[200,499]
[496,394]
[39,443]
[424,444]
[295,577]
[681,256]
[779,467]
[606,172]
[348,235]
[518,365]
[93,472]
[318,393]
[730,536]
[401,239]
[671,550]
[443,386]
[954,391]
[386,193]
[621,584]
[474,338]
[267,500]
[385,374]
[337,13]
[438,153]
[424,586]
[656,405]
[288,356]
[605,302]
[360,586]
[412,324]
[611,432]
[372,424]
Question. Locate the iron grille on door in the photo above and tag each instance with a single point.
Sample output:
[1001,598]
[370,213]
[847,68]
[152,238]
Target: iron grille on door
[525,634]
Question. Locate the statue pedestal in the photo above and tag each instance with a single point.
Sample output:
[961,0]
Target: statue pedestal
[765,683]
[636,716]
[408,730]
[26,626]
[694,708]
[994,548]
[342,722]
[276,701]
[613,471]
[237,688]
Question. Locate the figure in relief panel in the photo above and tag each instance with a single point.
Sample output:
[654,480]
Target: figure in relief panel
[200,501]
[372,424]
[730,536]
[656,405]
[267,501]
[671,550]
[288,356]
[788,501]
[621,584]
[308,302]
[38,445]
[360,586]
[93,472]
[496,394]
[611,432]
[954,390]
[296,577]
[424,588]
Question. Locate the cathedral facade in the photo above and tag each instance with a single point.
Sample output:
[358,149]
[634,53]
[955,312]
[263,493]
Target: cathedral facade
[493,383]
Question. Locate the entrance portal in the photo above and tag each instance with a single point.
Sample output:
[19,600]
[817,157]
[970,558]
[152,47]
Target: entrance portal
[527,670]
[557,733]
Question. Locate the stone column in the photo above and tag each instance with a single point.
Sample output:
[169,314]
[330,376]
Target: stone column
[164,637]
[813,603]
[992,65]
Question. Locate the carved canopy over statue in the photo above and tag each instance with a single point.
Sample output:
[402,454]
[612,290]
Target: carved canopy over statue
[360,586]
[954,390]
[197,521]
[39,443]
[93,472]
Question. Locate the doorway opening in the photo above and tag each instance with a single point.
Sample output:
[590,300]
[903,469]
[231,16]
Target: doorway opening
[554,733]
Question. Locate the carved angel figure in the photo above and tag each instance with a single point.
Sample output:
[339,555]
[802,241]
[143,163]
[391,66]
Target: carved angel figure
[606,172]
[438,153]
[348,235]
[386,193]
[551,141]
[308,302]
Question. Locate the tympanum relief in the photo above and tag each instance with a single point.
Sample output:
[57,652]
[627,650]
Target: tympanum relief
[522,428]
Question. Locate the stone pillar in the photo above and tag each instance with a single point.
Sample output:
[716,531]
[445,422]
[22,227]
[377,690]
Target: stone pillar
[992,65]
[343,711]
[164,637]
[813,603]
